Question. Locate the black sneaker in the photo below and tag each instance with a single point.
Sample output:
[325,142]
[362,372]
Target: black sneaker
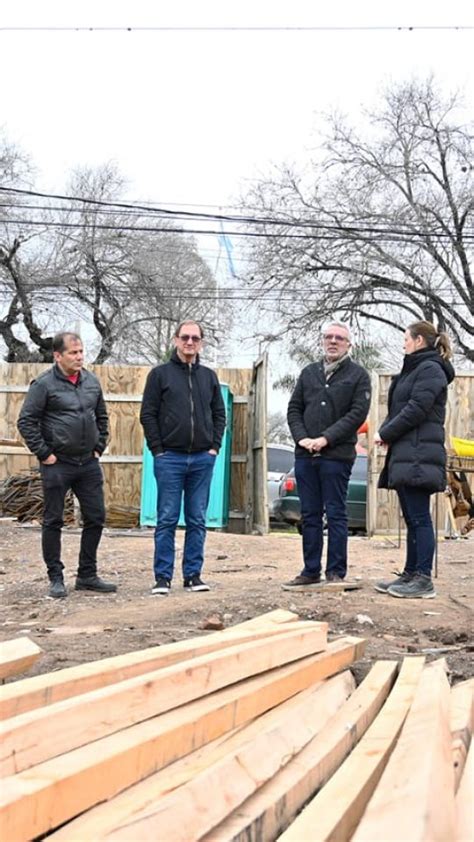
[94,583]
[382,587]
[195,583]
[419,587]
[302,581]
[333,577]
[162,586]
[57,589]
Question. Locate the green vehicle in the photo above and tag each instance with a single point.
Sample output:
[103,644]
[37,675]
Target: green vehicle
[287,508]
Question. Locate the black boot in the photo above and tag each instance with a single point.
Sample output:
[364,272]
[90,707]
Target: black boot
[94,583]
[57,589]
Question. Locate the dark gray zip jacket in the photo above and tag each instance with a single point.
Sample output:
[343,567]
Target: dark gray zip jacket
[414,427]
[334,409]
[182,408]
[67,419]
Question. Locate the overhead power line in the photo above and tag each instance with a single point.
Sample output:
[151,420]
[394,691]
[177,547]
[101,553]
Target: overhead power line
[374,28]
[402,229]
[336,234]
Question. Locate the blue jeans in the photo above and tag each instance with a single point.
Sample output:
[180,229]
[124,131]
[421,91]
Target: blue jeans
[322,487]
[177,474]
[415,506]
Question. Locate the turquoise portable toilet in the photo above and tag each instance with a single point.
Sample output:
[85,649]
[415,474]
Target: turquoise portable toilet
[218,509]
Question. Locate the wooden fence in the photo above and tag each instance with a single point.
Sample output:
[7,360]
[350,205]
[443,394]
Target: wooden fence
[122,463]
[382,506]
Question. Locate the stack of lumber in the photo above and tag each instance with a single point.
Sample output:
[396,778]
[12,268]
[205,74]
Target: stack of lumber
[255,733]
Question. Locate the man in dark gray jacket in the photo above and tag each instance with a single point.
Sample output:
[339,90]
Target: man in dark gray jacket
[330,402]
[64,423]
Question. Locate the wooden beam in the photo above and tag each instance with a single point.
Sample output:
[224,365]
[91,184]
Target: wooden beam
[336,810]
[461,724]
[267,813]
[30,693]
[76,721]
[17,656]
[40,799]
[419,774]
[464,806]
[137,810]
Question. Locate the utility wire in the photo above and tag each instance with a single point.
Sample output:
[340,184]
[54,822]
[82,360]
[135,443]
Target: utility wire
[238,219]
[336,235]
[374,28]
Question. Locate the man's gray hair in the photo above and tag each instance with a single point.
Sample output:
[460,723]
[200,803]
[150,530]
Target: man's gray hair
[345,325]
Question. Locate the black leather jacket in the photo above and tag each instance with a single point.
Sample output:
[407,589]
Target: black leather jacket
[182,408]
[67,419]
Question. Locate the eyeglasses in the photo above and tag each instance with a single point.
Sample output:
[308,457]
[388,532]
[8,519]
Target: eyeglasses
[185,337]
[336,336]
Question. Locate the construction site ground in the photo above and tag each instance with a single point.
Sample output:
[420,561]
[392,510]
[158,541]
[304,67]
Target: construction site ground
[245,574]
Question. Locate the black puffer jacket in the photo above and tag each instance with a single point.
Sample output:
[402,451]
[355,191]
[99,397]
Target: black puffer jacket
[334,409]
[414,427]
[182,408]
[64,418]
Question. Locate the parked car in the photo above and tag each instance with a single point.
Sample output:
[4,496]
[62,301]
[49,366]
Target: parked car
[280,460]
[288,509]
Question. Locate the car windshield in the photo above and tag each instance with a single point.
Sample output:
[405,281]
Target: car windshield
[359,470]
[279,461]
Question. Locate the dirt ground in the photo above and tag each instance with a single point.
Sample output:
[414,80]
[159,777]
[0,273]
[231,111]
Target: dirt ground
[245,574]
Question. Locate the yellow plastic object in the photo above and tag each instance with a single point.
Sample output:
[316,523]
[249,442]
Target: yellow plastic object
[462,447]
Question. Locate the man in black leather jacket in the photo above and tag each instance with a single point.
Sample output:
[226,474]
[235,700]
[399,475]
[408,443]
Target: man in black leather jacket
[64,423]
[329,403]
[183,417]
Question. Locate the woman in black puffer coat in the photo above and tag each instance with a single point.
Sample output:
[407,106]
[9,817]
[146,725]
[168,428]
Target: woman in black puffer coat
[415,465]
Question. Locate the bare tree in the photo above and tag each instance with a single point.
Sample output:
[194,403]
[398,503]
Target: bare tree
[128,272]
[25,283]
[382,228]
[173,282]
[278,431]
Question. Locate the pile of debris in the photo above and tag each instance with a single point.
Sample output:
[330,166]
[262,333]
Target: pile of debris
[21,496]
[256,732]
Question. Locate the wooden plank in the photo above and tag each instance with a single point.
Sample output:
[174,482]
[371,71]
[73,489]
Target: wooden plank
[142,800]
[461,724]
[273,807]
[336,810]
[419,774]
[278,615]
[39,799]
[17,656]
[231,780]
[257,446]
[464,803]
[39,690]
[372,460]
[76,721]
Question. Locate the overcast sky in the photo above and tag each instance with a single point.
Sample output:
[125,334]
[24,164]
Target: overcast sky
[190,117]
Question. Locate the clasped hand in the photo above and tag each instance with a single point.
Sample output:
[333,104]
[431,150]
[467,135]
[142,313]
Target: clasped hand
[313,445]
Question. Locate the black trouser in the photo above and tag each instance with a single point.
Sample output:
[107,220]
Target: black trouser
[86,482]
